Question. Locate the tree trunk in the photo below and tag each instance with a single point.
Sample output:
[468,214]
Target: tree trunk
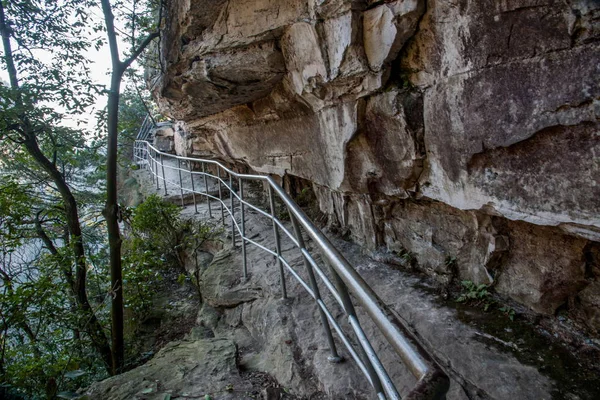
[111,209]
[111,214]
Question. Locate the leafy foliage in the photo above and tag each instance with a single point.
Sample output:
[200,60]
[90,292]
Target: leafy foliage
[140,276]
[41,329]
[475,294]
[450,262]
[508,311]
[14,204]
[50,53]
[480,296]
[160,239]
[407,258]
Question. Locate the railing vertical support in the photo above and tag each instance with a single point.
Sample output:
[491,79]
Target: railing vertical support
[232,211]
[334,357]
[180,182]
[220,196]
[193,188]
[146,157]
[151,167]
[277,244]
[243,226]
[206,190]
[342,290]
[373,364]
[156,170]
[162,166]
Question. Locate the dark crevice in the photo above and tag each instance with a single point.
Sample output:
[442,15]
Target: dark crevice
[399,77]
[591,254]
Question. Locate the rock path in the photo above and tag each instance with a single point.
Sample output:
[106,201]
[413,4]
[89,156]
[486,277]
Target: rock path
[245,326]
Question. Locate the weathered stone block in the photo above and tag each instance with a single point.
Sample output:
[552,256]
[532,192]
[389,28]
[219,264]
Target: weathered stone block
[387,27]
[164,144]
[303,58]
[544,267]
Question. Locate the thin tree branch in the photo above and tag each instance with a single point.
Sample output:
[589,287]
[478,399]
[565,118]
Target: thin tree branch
[144,104]
[140,49]
[6,33]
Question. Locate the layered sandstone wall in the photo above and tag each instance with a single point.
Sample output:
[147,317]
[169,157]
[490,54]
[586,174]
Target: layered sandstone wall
[465,132]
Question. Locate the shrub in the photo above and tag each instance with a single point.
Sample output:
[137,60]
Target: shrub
[475,294]
[160,239]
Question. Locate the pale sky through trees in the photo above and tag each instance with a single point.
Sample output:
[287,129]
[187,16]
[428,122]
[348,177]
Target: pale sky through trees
[100,67]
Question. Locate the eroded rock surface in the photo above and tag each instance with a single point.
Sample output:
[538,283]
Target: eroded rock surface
[285,339]
[244,326]
[425,126]
[184,369]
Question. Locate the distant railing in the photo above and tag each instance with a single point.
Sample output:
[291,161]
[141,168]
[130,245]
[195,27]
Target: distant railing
[343,280]
[146,128]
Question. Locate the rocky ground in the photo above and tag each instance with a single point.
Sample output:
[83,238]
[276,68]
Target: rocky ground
[246,342]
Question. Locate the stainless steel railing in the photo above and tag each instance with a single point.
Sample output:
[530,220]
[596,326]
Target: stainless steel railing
[146,128]
[343,280]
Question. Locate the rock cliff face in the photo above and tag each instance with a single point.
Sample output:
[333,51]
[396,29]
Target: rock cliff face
[466,133]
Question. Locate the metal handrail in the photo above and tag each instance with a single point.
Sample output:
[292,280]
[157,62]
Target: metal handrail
[432,382]
[146,128]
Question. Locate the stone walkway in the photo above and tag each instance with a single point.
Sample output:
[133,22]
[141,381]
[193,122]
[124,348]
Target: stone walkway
[284,337]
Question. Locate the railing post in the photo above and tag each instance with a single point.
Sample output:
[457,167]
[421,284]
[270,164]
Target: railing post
[232,211]
[180,182]
[162,166]
[193,189]
[156,170]
[243,226]
[146,156]
[220,195]
[342,290]
[206,190]
[150,163]
[277,244]
[334,357]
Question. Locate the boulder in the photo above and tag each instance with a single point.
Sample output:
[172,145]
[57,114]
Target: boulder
[184,369]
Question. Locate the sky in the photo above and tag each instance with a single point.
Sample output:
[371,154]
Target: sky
[100,67]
